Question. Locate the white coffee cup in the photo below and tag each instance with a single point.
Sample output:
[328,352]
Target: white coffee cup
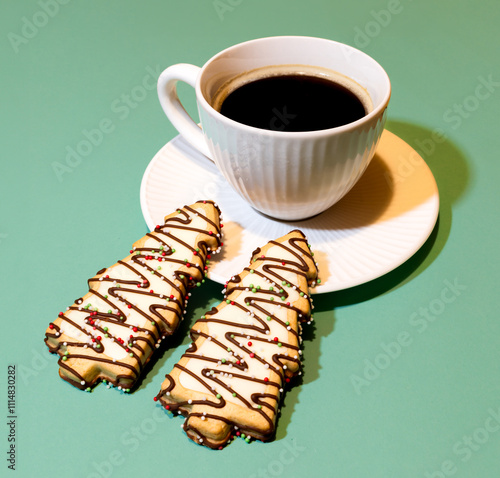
[285,175]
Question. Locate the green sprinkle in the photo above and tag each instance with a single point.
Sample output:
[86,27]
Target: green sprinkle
[173,250]
[104,382]
[228,349]
[181,277]
[98,346]
[178,211]
[106,335]
[251,271]
[283,297]
[127,390]
[281,291]
[203,317]
[258,287]
[106,296]
[110,311]
[223,360]
[279,344]
[259,406]
[251,286]
[158,268]
[198,284]
[218,395]
[318,281]
[268,317]
[65,358]
[243,435]
[131,354]
[185,260]
[208,261]
[161,248]
[247,439]
[271,288]
[228,301]
[105,329]
[197,249]
[234,394]
[272,298]
[66,353]
[283,282]
[88,389]
[301,294]
[232,336]
[287,323]
[137,253]
[152,272]
[152,323]
[254,290]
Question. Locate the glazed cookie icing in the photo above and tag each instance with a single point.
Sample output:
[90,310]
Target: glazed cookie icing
[246,348]
[134,304]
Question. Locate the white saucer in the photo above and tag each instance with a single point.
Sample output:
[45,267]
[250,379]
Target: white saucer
[377,226]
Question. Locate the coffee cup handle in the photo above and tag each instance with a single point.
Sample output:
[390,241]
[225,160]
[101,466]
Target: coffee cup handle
[169,100]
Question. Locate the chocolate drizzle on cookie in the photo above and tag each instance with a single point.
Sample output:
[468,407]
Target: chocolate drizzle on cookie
[230,380]
[111,332]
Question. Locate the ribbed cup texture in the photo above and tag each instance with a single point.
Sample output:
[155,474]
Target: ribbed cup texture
[291,176]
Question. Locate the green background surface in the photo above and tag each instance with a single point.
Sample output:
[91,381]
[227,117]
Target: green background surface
[432,408]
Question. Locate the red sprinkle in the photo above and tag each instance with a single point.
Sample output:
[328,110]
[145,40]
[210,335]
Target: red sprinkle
[266,379]
[252,355]
[167,407]
[51,326]
[287,380]
[151,291]
[129,306]
[249,344]
[155,399]
[134,329]
[60,314]
[275,339]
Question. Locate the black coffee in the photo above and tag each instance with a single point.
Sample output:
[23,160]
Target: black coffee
[293,102]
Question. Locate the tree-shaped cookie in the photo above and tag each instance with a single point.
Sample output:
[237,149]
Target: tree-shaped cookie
[230,380]
[112,331]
